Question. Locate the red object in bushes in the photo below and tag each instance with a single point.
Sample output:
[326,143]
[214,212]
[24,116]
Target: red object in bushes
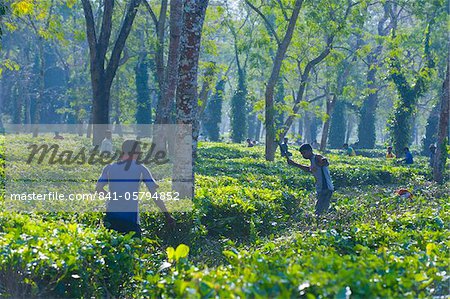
[405,193]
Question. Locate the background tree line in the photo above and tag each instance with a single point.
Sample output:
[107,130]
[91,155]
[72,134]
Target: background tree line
[369,73]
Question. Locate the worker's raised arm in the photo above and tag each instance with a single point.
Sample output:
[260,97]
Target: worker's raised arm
[302,167]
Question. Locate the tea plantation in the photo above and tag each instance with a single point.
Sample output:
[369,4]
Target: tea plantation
[252,234]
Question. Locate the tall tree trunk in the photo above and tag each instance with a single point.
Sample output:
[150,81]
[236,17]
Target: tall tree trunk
[208,79]
[300,130]
[344,70]
[305,74]
[271,143]
[238,113]
[302,86]
[187,95]
[441,151]
[349,129]
[117,111]
[19,95]
[144,105]
[159,54]
[41,83]
[337,126]
[326,125]
[269,106]
[213,113]
[258,129]
[280,91]
[314,125]
[401,129]
[165,104]
[238,109]
[103,71]
[251,120]
[431,129]
[366,129]
[307,125]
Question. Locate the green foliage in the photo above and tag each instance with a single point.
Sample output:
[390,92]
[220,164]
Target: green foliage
[400,123]
[65,259]
[258,216]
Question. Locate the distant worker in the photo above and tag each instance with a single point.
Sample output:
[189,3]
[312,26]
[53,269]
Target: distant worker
[432,154]
[107,145]
[57,136]
[284,148]
[389,153]
[250,143]
[408,157]
[349,151]
[319,169]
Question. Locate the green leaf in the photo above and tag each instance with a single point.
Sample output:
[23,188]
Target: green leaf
[181,252]
[170,253]
[430,248]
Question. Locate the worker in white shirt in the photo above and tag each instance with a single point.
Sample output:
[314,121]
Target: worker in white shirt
[107,145]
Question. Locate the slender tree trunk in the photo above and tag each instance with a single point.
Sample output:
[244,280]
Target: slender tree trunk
[302,87]
[159,55]
[401,129]
[431,129]
[102,73]
[441,151]
[187,95]
[279,98]
[366,129]
[208,79]
[19,94]
[165,104]
[213,115]
[251,120]
[89,127]
[258,129]
[238,119]
[326,125]
[337,126]
[331,102]
[117,111]
[307,137]
[40,96]
[270,111]
[348,131]
[300,130]
[144,104]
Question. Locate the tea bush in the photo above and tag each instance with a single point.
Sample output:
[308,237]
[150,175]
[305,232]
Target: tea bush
[63,259]
[251,233]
